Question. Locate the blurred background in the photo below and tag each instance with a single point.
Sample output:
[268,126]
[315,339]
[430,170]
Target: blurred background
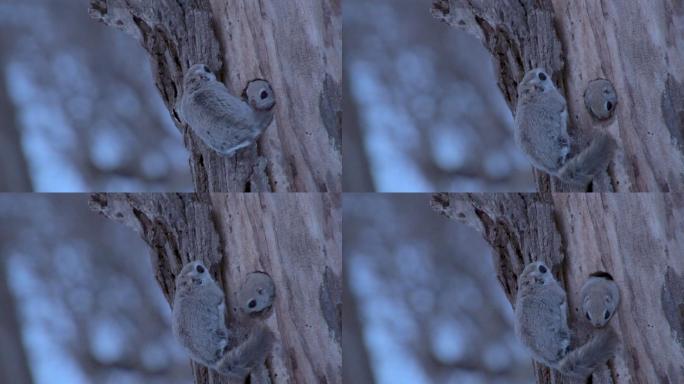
[421,300]
[78,298]
[422,111]
[78,107]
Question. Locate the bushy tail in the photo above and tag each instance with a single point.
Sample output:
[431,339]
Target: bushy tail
[581,362]
[581,169]
[241,360]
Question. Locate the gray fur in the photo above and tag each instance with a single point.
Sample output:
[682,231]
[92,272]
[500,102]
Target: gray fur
[581,362]
[541,324]
[580,170]
[541,315]
[600,299]
[541,123]
[198,315]
[240,361]
[224,122]
[198,321]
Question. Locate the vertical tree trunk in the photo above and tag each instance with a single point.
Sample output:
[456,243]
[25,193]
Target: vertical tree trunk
[638,45]
[637,238]
[296,45]
[295,238]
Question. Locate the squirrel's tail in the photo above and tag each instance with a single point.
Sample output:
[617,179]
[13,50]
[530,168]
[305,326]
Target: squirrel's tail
[581,169]
[241,360]
[581,362]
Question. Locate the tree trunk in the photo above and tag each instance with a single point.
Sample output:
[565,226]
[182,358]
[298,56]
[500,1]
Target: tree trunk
[295,45]
[638,45]
[295,238]
[637,238]
[14,366]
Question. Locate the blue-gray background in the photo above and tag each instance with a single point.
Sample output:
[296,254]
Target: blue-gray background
[78,107]
[82,296]
[422,303]
[422,110]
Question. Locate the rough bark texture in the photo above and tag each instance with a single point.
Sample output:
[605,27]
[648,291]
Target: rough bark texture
[295,45]
[295,238]
[638,238]
[637,45]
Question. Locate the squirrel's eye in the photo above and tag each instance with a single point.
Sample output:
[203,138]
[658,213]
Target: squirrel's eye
[542,269]
[587,315]
[263,95]
[542,76]
[206,69]
[606,315]
[609,105]
[200,269]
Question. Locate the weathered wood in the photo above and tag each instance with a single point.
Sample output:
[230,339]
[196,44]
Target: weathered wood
[638,238]
[295,238]
[295,45]
[504,220]
[637,45]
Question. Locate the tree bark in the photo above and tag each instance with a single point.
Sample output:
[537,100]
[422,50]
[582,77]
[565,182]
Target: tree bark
[295,238]
[637,238]
[295,45]
[637,45]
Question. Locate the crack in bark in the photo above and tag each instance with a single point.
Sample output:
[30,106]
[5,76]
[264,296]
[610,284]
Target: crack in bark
[173,44]
[520,35]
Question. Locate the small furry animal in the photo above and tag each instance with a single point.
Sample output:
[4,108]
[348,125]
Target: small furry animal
[541,131]
[199,325]
[541,324]
[600,298]
[224,122]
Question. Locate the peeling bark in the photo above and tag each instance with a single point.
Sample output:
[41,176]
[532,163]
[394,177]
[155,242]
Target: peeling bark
[295,45]
[637,238]
[295,238]
[637,45]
